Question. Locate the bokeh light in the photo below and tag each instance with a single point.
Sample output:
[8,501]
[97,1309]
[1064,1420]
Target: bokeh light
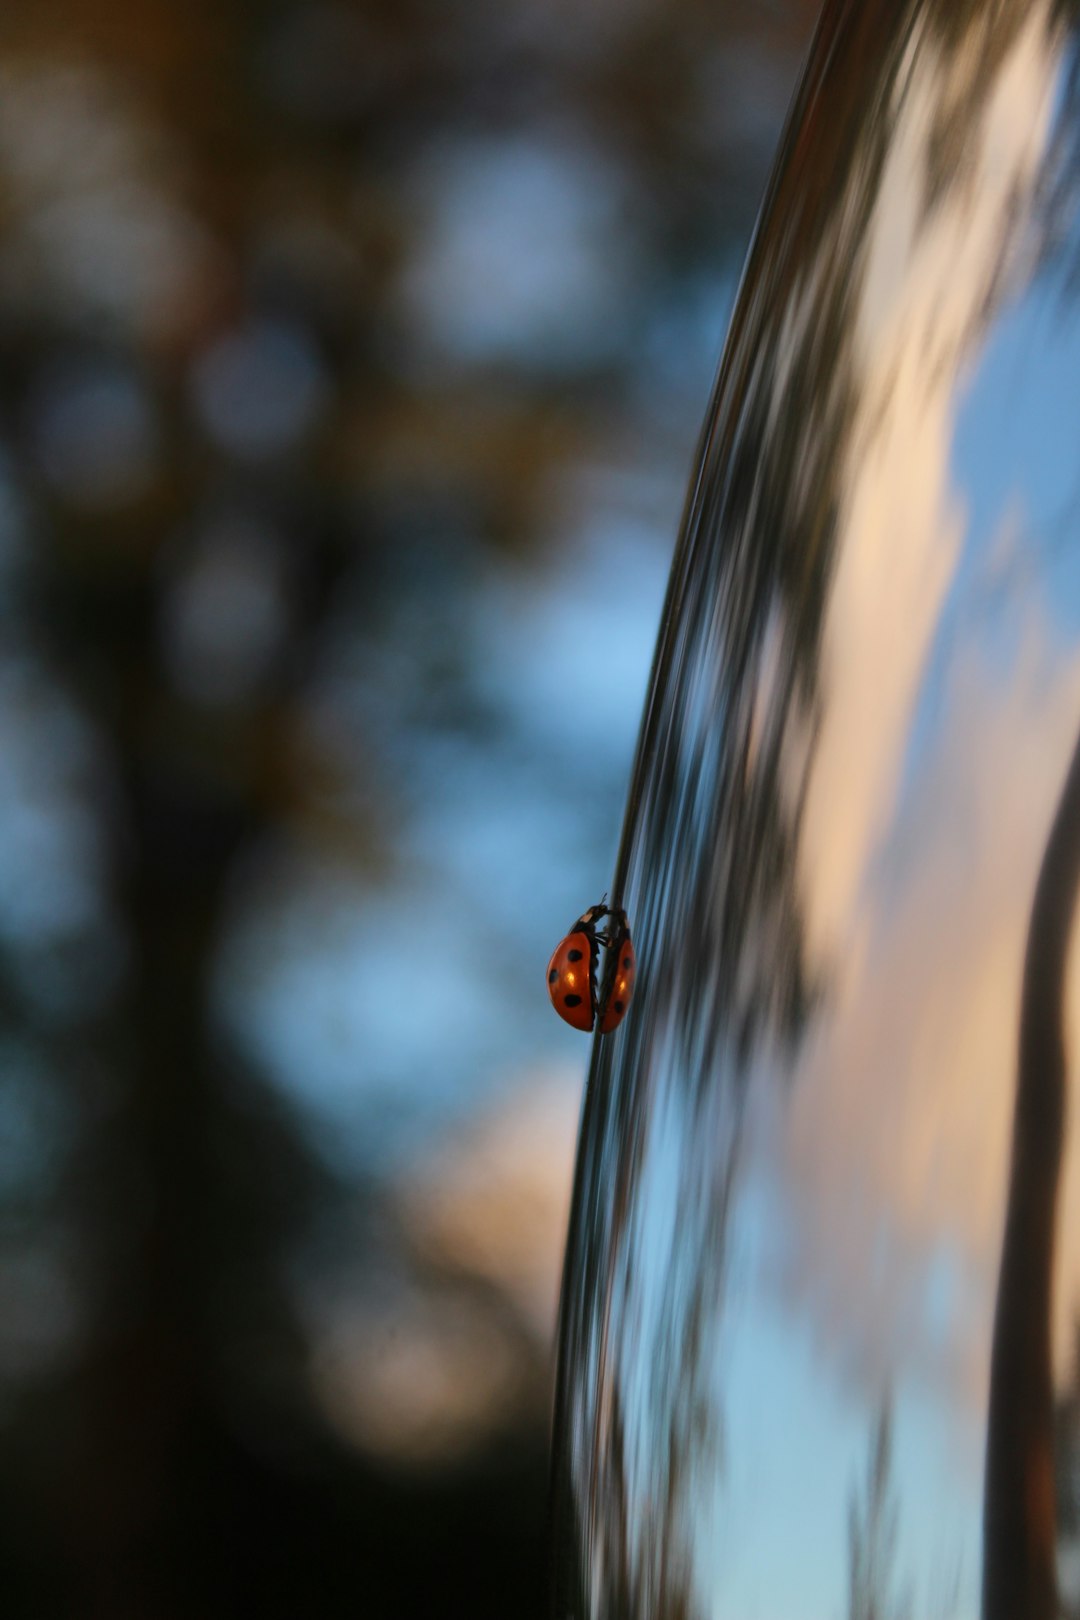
[353,360]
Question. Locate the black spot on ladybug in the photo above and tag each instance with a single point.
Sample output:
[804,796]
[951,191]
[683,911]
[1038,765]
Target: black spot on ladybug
[572,1001]
[626,963]
[553,975]
[618,1005]
[573,956]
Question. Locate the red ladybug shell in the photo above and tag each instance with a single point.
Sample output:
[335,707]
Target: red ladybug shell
[572,976]
[618,979]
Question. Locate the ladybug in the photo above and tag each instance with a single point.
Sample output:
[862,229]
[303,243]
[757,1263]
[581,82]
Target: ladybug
[572,971]
[618,985]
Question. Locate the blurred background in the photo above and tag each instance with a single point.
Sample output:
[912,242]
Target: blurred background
[353,357]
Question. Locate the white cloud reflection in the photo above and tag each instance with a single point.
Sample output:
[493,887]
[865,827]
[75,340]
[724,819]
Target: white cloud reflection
[932,787]
[927,284]
[896,1138]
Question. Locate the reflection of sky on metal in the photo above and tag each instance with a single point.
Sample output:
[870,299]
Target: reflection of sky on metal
[1012,432]
[886,1226]
[905,526]
[920,769]
[925,284]
[799,1449]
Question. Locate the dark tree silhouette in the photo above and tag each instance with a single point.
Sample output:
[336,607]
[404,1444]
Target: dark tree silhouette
[1020,1517]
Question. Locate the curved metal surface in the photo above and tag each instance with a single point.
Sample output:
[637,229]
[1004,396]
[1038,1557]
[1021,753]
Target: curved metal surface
[822,1291]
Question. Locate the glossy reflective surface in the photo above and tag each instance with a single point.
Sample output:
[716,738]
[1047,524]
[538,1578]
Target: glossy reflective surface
[822,1293]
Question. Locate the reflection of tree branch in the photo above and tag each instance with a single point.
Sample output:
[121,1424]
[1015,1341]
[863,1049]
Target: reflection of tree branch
[873,1521]
[1019,1576]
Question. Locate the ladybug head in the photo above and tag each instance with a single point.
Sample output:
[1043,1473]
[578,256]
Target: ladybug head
[589,919]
